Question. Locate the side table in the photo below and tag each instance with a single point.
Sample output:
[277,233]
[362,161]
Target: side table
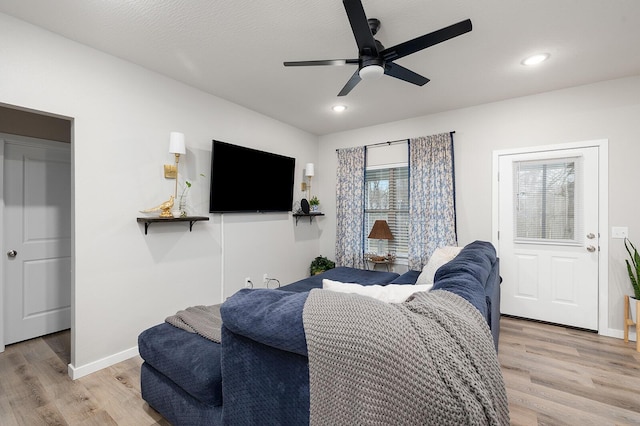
[387,262]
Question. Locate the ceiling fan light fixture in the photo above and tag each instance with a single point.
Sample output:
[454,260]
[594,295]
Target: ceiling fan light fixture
[535,59]
[371,72]
[339,108]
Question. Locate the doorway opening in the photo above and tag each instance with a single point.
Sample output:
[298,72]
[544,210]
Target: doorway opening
[41,143]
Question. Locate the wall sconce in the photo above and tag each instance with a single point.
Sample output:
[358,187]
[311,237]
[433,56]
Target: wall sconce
[308,172]
[177,147]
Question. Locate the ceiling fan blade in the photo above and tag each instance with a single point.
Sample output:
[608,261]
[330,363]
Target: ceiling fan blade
[355,79]
[321,62]
[360,27]
[427,40]
[402,73]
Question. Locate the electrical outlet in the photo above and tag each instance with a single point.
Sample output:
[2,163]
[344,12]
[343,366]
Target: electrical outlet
[265,278]
[247,282]
[619,232]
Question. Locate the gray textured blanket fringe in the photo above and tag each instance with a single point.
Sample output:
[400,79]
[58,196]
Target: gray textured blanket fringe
[427,361]
[203,320]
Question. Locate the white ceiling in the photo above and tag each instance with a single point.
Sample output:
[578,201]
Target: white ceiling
[235,49]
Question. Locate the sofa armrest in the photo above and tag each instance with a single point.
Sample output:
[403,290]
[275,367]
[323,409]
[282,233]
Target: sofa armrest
[268,316]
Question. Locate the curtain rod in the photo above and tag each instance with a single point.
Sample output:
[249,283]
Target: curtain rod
[392,142]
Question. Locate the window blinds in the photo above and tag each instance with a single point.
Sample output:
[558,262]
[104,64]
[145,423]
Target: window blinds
[547,200]
[387,198]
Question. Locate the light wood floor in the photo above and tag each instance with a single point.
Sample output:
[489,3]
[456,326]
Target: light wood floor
[553,375]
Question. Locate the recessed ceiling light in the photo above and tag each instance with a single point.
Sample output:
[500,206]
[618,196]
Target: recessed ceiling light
[339,108]
[535,59]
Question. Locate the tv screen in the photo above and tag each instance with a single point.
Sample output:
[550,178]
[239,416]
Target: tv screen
[249,180]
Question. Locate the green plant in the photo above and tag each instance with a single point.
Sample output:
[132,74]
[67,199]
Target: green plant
[634,272]
[314,201]
[321,264]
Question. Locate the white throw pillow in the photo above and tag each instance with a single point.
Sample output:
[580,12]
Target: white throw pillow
[439,257]
[390,293]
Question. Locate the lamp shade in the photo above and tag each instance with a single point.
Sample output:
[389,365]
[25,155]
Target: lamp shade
[380,231]
[308,169]
[176,143]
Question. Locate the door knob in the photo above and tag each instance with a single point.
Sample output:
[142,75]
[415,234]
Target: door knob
[591,249]
[590,236]
[12,253]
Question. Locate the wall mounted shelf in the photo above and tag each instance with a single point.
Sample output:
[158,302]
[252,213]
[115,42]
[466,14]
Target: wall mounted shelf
[149,220]
[309,215]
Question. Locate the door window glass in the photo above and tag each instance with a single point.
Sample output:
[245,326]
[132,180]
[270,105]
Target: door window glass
[547,200]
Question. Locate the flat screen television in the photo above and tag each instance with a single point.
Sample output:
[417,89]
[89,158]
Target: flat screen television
[248,180]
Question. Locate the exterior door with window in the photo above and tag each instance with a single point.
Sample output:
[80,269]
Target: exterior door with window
[549,237]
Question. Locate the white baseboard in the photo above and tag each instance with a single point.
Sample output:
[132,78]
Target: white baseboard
[92,367]
[619,334]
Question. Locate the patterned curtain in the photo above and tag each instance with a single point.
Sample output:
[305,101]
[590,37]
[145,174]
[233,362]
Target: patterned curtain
[350,207]
[432,212]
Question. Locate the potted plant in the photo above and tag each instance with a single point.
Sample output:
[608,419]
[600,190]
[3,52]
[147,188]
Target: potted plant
[633,268]
[314,203]
[320,264]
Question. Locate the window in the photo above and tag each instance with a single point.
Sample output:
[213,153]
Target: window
[546,200]
[387,198]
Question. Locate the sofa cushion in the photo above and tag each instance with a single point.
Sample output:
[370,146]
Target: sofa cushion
[189,360]
[268,316]
[440,256]
[468,273]
[390,293]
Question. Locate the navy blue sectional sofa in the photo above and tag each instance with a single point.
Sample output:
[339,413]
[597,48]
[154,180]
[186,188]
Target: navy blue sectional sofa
[259,373]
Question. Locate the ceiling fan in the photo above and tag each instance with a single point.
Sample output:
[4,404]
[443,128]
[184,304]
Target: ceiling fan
[373,59]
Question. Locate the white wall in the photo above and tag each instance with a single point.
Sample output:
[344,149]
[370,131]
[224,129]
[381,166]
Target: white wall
[126,281]
[608,110]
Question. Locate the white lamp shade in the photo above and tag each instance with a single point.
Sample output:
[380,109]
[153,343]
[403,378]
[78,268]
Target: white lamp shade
[308,169]
[176,143]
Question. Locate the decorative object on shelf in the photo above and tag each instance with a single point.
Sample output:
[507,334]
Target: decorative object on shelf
[182,203]
[164,208]
[380,231]
[304,206]
[176,147]
[321,264]
[308,172]
[315,204]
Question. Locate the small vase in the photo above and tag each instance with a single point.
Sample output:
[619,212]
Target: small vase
[315,208]
[182,206]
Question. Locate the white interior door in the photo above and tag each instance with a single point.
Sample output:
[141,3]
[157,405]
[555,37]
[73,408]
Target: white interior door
[37,238]
[549,236]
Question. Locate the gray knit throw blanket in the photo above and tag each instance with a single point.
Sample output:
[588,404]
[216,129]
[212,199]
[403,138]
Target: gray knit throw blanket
[203,320]
[427,361]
